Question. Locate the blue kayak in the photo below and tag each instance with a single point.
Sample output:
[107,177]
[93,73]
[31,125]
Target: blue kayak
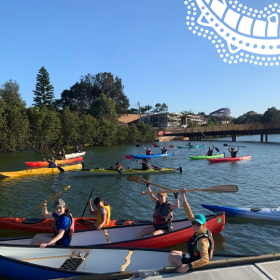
[251,213]
[198,146]
[152,156]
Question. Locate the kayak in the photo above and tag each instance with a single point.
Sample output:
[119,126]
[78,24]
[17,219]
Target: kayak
[229,159]
[152,156]
[125,235]
[198,146]
[37,171]
[102,171]
[45,225]
[251,213]
[74,155]
[205,157]
[44,163]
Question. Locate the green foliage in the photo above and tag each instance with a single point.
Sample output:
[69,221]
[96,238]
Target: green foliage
[147,133]
[212,122]
[160,108]
[146,108]
[89,131]
[133,111]
[187,112]
[249,117]
[44,92]
[10,94]
[271,115]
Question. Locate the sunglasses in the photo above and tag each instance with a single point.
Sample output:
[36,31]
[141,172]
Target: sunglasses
[196,224]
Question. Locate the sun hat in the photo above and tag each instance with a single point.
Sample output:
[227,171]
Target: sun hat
[200,219]
[59,202]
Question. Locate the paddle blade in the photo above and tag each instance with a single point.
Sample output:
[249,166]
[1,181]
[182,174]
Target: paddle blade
[136,179]
[69,147]
[128,157]
[218,189]
[225,144]
[86,145]
[137,145]
[217,149]
[171,146]
[60,169]
[154,144]
[155,167]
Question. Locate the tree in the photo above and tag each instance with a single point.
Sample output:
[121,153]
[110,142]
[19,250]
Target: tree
[223,112]
[157,108]
[271,115]
[249,117]
[44,92]
[187,112]
[164,107]
[133,111]
[146,108]
[10,94]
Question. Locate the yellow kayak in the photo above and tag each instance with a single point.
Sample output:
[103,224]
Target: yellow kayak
[39,171]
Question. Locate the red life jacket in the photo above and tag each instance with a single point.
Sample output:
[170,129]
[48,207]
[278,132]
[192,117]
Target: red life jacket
[68,232]
[163,215]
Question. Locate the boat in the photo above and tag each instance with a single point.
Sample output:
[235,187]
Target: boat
[128,171]
[205,157]
[38,171]
[151,156]
[198,146]
[74,155]
[124,235]
[45,225]
[272,214]
[213,160]
[44,163]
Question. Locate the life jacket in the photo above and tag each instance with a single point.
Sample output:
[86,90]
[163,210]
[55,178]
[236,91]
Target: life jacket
[192,245]
[164,151]
[145,166]
[68,232]
[51,164]
[119,167]
[99,217]
[149,153]
[210,153]
[163,215]
[233,154]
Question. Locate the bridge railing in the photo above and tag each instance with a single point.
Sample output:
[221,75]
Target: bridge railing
[237,127]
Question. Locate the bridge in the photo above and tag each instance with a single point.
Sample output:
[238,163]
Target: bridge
[224,130]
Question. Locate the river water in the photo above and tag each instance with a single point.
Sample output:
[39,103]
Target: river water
[257,179]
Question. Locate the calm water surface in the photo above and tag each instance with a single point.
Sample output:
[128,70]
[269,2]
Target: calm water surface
[258,182]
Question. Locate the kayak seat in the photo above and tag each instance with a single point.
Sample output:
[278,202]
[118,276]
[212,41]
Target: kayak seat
[255,209]
[72,264]
[141,222]
[32,221]
[120,222]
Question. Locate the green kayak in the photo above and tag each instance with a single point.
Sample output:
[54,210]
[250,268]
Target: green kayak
[205,157]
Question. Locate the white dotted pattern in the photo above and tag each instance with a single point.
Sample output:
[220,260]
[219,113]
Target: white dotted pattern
[271,60]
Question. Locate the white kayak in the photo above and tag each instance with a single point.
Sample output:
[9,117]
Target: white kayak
[74,155]
[272,214]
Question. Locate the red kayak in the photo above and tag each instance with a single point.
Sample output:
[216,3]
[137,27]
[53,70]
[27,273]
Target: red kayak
[212,160]
[44,163]
[45,225]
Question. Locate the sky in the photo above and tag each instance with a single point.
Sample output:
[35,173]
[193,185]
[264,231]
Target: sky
[146,43]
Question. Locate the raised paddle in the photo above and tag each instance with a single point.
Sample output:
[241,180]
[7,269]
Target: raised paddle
[87,202]
[142,181]
[38,207]
[130,157]
[218,150]
[58,167]
[137,145]
[69,147]
[215,189]
[234,146]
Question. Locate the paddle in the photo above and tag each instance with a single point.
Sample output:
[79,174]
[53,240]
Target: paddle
[215,189]
[65,189]
[85,145]
[218,150]
[69,147]
[137,145]
[139,180]
[58,167]
[130,157]
[87,202]
[234,146]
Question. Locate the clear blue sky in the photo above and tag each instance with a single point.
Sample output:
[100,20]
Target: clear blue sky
[145,43]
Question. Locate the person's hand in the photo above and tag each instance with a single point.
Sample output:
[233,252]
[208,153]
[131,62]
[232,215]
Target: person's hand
[183,191]
[89,200]
[44,203]
[184,268]
[43,245]
[148,184]
[99,228]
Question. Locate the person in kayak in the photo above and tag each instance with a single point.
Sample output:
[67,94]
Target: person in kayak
[51,161]
[190,144]
[60,155]
[78,149]
[63,226]
[200,252]
[164,150]
[148,151]
[233,153]
[210,151]
[162,214]
[145,165]
[103,213]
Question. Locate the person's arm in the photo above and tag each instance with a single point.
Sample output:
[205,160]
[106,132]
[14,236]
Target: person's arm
[187,208]
[53,151]
[63,151]
[45,212]
[104,218]
[237,150]
[44,159]
[151,196]
[229,149]
[55,163]
[144,148]
[92,212]
[58,237]
[177,203]
[138,161]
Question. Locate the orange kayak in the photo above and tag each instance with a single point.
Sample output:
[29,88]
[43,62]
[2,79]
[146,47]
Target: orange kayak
[44,163]
[45,225]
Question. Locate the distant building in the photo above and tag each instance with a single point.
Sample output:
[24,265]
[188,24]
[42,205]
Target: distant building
[192,118]
[128,119]
[163,120]
[223,120]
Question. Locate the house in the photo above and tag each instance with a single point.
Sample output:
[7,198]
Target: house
[163,120]
[192,118]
